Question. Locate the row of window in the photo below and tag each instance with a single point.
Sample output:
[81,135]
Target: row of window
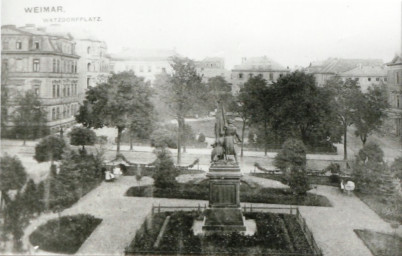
[64,90]
[18,45]
[65,111]
[93,68]
[66,67]
[371,79]
[143,69]
[250,75]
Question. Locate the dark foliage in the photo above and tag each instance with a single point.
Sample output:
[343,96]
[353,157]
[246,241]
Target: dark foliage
[80,136]
[49,148]
[165,171]
[64,235]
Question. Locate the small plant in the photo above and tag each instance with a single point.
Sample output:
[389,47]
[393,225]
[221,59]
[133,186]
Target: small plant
[201,137]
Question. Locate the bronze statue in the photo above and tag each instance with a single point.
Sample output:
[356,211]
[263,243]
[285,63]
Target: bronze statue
[225,134]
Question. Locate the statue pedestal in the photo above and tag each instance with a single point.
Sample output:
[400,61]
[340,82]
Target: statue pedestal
[224,213]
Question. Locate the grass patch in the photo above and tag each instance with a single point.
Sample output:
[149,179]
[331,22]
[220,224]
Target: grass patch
[278,234]
[381,244]
[247,194]
[381,206]
[64,235]
[318,180]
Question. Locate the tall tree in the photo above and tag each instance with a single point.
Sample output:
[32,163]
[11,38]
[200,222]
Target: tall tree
[239,107]
[12,176]
[81,136]
[51,149]
[124,99]
[370,112]
[345,96]
[29,117]
[218,89]
[182,92]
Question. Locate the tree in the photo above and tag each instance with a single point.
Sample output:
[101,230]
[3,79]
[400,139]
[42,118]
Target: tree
[218,89]
[124,99]
[31,199]
[165,171]
[182,92]
[12,176]
[80,136]
[396,167]
[370,112]
[15,221]
[29,117]
[292,155]
[163,137]
[302,110]
[345,96]
[50,149]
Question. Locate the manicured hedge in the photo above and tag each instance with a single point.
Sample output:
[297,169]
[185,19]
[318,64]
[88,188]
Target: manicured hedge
[64,235]
[247,194]
[271,237]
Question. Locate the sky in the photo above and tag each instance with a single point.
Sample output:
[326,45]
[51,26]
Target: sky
[291,32]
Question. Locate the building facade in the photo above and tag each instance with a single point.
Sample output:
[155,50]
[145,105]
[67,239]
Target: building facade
[394,86]
[144,63]
[269,69]
[212,67]
[366,76]
[94,62]
[331,67]
[45,63]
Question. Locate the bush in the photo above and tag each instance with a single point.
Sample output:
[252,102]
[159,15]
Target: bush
[162,137]
[64,235]
[201,137]
[298,182]
[165,171]
[334,168]
[334,178]
[292,154]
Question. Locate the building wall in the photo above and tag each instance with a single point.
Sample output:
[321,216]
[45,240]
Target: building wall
[366,81]
[49,69]
[94,64]
[394,86]
[144,68]
[239,77]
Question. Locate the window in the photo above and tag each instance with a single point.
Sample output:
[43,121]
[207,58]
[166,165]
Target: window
[89,67]
[54,65]
[36,65]
[89,50]
[397,101]
[385,79]
[68,90]
[377,79]
[54,90]
[58,90]
[58,66]
[241,75]
[280,75]
[149,69]
[250,75]
[369,79]
[75,67]
[18,45]
[36,45]
[57,113]
[88,81]
[271,76]
[397,77]
[64,91]
[72,67]
[5,45]
[53,114]
[65,67]
[36,89]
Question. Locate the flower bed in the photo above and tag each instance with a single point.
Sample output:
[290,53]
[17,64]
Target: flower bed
[247,194]
[64,235]
[271,237]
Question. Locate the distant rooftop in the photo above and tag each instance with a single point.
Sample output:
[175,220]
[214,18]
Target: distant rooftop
[337,66]
[366,71]
[143,54]
[43,31]
[258,63]
[397,60]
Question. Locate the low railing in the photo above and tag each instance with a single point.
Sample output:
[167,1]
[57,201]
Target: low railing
[250,208]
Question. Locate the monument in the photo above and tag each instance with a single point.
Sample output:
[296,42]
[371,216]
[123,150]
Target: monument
[224,212]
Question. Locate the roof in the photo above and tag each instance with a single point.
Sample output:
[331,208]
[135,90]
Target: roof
[258,63]
[397,60]
[337,66]
[366,71]
[143,54]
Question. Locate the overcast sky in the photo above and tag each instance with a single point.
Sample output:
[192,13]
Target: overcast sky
[289,31]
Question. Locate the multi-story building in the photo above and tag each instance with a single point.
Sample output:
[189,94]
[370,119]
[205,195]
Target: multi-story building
[212,67]
[144,63]
[269,69]
[366,76]
[394,86]
[94,62]
[46,63]
[327,69]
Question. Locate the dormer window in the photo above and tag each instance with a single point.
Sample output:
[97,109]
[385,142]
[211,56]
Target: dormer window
[18,45]
[36,45]
[241,76]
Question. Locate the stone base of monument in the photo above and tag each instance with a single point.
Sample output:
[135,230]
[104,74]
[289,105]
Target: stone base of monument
[224,214]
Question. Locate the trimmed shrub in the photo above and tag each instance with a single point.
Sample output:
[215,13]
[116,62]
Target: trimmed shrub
[64,235]
[201,137]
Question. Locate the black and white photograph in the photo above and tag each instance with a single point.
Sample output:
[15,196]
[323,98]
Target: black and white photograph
[201,127]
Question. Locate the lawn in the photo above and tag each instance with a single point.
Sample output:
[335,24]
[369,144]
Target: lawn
[247,194]
[381,206]
[64,235]
[318,180]
[278,234]
[381,244]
